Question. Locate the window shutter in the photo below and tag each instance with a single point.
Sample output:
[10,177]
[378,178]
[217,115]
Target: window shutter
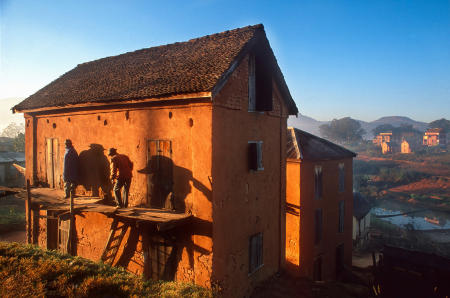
[251,84]
[253,156]
[263,84]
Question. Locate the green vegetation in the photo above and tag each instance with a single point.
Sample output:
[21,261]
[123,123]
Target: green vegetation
[398,130]
[12,214]
[19,143]
[345,131]
[441,123]
[28,271]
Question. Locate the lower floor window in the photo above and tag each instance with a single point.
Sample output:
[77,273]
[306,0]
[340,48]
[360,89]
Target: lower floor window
[255,252]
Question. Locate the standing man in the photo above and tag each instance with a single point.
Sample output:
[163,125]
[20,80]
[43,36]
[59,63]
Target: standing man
[121,167]
[70,174]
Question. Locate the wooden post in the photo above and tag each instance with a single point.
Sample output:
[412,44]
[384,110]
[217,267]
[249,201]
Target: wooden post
[70,240]
[28,212]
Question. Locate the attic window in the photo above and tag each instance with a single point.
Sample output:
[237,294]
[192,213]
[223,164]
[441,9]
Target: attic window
[341,177]
[259,85]
[255,159]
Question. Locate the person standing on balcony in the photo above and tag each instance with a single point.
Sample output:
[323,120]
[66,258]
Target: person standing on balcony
[121,168]
[70,174]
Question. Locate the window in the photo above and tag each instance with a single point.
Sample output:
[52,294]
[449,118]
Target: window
[341,177]
[259,85]
[317,182]
[318,226]
[317,270]
[341,216]
[255,159]
[339,258]
[255,253]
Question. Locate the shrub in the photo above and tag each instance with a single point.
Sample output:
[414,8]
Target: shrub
[28,271]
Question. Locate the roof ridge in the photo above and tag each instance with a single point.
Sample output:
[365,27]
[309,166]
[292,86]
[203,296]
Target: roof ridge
[246,28]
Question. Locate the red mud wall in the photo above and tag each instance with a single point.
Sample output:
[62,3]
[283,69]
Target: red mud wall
[329,204]
[246,202]
[188,126]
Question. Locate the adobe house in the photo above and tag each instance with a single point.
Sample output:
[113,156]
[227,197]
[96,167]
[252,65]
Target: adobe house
[434,137]
[319,206]
[382,137]
[204,122]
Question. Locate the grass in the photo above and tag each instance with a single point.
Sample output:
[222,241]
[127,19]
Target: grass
[28,271]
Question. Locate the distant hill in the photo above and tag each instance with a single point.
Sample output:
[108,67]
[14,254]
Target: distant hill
[312,126]
[306,123]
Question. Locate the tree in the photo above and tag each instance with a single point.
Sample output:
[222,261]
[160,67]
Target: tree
[19,143]
[345,130]
[441,123]
[12,130]
[396,130]
[382,128]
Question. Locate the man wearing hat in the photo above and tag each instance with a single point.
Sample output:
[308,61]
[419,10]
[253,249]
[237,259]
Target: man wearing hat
[121,167]
[70,174]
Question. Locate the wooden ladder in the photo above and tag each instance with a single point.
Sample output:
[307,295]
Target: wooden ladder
[114,240]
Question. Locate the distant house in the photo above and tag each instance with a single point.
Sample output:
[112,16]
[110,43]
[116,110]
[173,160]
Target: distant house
[361,220]
[9,175]
[389,147]
[405,147]
[434,137]
[319,206]
[383,137]
[204,122]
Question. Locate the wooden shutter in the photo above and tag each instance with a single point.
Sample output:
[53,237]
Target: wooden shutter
[263,85]
[63,233]
[253,156]
[318,226]
[160,177]
[255,252]
[341,216]
[49,163]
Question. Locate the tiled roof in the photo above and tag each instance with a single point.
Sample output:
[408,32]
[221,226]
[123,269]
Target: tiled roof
[197,65]
[305,146]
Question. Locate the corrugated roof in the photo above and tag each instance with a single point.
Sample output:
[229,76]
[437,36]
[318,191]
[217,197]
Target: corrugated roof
[197,65]
[305,146]
[7,157]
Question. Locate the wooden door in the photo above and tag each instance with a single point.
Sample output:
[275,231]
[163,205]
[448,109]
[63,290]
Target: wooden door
[63,233]
[52,154]
[162,258]
[160,175]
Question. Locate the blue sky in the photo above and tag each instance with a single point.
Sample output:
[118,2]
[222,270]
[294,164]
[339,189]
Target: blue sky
[364,59]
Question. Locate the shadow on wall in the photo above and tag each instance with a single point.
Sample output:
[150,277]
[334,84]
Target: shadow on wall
[169,184]
[94,171]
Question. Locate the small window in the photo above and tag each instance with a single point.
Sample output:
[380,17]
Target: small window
[317,182]
[255,252]
[341,216]
[255,155]
[259,85]
[341,177]
[318,226]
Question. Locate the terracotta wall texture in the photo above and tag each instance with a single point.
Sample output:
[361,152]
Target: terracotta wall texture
[211,177]
[301,251]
